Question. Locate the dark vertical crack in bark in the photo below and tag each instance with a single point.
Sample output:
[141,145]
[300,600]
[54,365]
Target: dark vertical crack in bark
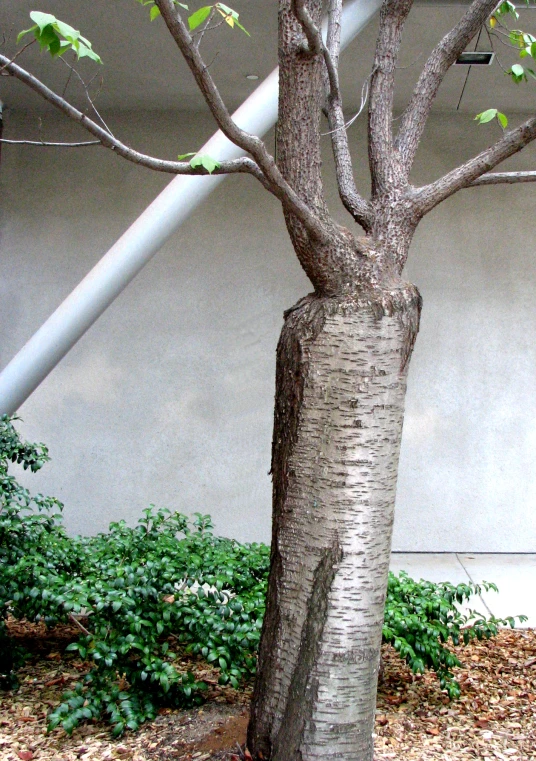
[410,321]
[303,322]
[303,689]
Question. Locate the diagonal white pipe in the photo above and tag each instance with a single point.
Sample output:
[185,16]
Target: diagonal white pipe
[145,237]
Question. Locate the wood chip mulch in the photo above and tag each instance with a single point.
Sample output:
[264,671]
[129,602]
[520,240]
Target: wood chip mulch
[495,718]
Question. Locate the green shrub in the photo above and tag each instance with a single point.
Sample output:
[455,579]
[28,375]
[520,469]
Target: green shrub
[169,585]
[422,617]
[33,546]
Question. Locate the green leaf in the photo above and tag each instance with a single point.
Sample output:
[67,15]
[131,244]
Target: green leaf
[486,116]
[42,19]
[518,70]
[183,156]
[198,17]
[164,681]
[118,729]
[49,31]
[84,51]
[154,12]
[230,16]
[503,120]
[239,25]
[24,32]
[70,34]
[227,10]
[206,162]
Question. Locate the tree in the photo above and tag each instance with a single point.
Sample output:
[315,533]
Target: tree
[344,350]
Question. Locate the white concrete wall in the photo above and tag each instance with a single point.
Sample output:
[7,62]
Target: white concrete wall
[168,398]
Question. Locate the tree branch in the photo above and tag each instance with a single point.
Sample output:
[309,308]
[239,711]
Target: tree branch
[444,55]
[250,143]
[72,70]
[509,178]
[47,144]
[351,199]
[242,165]
[17,54]
[393,16]
[473,172]
[76,622]
[311,31]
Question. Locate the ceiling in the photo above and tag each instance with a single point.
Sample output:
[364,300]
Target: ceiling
[143,68]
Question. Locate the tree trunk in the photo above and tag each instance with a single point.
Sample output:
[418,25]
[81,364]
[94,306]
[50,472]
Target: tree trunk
[341,380]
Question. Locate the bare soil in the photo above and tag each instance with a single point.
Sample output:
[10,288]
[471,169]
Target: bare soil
[495,718]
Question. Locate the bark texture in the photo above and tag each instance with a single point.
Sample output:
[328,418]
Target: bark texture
[341,379]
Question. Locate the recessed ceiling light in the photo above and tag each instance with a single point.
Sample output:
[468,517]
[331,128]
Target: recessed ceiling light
[475,58]
[253,77]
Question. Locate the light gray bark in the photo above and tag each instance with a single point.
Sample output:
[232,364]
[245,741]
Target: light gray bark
[341,380]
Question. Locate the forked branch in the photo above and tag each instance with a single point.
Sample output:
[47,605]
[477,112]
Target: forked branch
[474,172]
[445,54]
[351,199]
[243,165]
[249,143]
[393,16]
[311,31]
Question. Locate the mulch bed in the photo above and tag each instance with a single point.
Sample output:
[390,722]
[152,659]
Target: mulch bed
[495,718]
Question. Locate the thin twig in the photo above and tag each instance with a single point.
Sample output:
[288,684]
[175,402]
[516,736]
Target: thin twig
[201,33]
[47,144]
[506,44]
[252,144]
[77,623]
[66,85]
[86,90]
[17,54]
[364,98]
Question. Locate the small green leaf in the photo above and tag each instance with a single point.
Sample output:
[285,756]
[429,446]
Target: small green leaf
[87,52]
[154,12]
[198,17]
[66,31]
[239,25]
[206,162]
[486,116]
[42,19]
[230,16]
[26,31]
[503,120]
[183,156]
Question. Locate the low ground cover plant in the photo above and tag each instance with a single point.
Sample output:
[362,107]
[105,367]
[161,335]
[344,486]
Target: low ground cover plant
[140,596]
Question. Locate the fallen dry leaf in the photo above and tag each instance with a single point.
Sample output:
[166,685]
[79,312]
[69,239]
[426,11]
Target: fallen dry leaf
[495,717]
